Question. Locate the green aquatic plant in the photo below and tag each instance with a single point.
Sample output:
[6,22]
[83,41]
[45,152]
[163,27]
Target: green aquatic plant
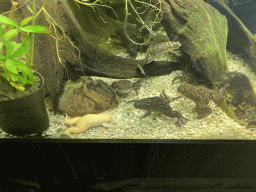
[16,59]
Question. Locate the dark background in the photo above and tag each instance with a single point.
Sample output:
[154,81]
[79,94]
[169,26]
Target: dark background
[245,10]
[73,159]
[111,164]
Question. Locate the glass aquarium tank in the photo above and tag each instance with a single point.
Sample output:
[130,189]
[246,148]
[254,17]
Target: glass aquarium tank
[155,69]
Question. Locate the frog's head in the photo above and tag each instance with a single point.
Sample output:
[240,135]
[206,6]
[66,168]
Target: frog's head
[122,86]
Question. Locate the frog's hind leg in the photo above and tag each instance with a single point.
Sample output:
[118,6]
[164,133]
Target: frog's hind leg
[180,119]
[71,130]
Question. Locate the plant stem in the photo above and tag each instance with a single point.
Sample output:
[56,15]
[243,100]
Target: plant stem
[13,9]
[32,35]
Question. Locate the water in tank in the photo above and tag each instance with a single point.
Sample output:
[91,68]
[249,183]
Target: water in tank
[157,69]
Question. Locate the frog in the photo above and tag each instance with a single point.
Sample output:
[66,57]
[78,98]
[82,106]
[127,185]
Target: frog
[80,124]
[159,50]
[125,86]
[160,104]
[201,96]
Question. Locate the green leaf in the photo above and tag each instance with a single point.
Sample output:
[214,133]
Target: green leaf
[25,21]
[45,31]
[21,79]
[2,57]
[20,66]
[23,48]
[7,21]
[16,45]
[17,86]
[1,33]
[9,47]
[35,29]
[31,75]
[4,75]
[11,66]
[26,71]
[10,34]
[13,77]
[30,82]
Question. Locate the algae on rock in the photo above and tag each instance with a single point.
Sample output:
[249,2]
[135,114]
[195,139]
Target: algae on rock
[203,32]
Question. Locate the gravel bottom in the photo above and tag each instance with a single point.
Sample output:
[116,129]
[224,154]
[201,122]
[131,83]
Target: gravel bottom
[127,123]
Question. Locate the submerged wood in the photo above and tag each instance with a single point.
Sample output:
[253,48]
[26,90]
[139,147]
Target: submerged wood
[98,61]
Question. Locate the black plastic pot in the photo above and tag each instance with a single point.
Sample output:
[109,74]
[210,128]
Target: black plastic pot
[25,115]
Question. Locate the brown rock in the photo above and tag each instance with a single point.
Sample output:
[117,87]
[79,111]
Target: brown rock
[86,96]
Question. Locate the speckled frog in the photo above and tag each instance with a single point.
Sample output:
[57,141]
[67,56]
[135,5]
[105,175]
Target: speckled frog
[201,96]
[125,86]
[159,50]
[160,104]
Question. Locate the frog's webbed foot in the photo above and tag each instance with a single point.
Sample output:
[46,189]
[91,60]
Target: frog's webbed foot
[70,121]
[167,98]
[136,86]
[146,114]
[176,78]
[67,117]
[177,53]
[180,119]
[164,96]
